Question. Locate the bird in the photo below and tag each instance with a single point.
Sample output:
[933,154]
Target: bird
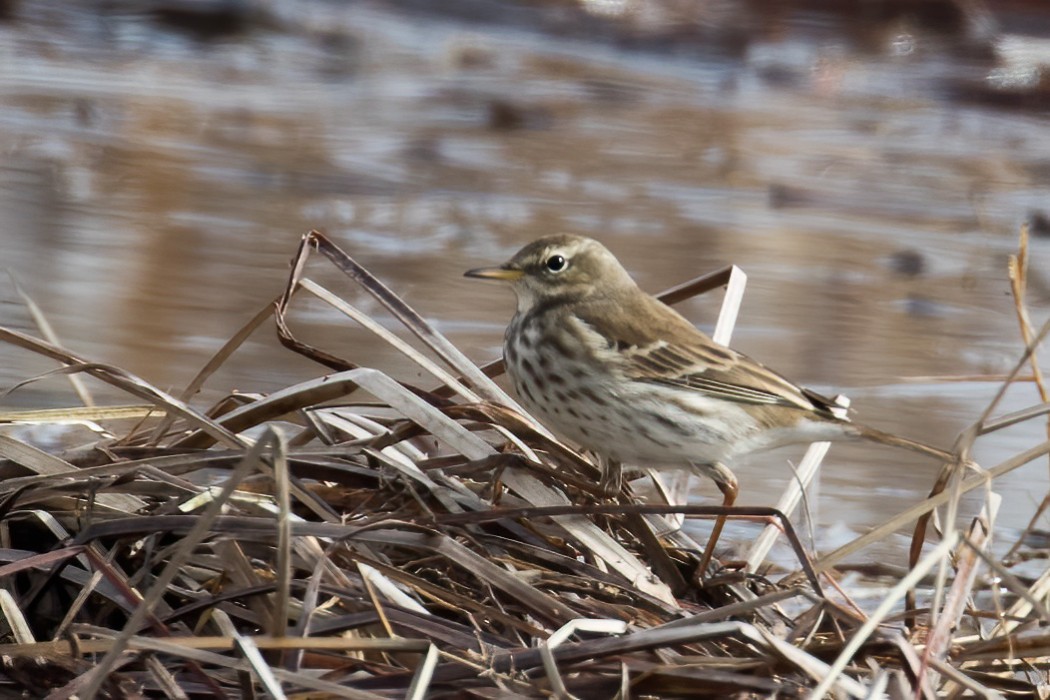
[613,369]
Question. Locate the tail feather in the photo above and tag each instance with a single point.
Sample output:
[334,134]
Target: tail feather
[876,435]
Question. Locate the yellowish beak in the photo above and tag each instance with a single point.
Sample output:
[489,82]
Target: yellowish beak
[507,274]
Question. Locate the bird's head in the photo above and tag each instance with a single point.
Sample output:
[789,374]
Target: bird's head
[559,266]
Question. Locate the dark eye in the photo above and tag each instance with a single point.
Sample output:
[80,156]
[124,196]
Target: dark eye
[556,263]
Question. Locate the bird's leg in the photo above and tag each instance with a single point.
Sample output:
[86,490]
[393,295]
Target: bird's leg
[727,484]
[612,472]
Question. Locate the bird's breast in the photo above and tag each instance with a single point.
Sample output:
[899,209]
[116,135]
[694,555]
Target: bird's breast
[574,384]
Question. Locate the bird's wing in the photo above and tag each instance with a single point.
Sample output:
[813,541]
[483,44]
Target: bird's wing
[717,372]
[672,352]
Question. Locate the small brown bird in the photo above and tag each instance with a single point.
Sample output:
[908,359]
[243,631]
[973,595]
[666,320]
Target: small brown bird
[622,374]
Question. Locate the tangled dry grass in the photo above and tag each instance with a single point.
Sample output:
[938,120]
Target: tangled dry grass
[436,543]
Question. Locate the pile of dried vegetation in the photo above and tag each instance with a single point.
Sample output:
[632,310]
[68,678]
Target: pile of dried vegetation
[435,542]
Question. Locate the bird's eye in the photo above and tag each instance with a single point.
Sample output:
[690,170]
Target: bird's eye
[556,263]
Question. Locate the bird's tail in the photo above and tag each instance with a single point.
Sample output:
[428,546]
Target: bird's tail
[876,435]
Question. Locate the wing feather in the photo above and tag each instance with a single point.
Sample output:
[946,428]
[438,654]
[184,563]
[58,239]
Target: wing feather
[670,351]
[732,377]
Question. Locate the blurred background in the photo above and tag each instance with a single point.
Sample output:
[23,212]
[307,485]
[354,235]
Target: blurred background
[868,164]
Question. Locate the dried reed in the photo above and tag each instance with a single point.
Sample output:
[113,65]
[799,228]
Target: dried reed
[357,536]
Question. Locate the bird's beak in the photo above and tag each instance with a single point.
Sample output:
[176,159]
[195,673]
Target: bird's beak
[508,274]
